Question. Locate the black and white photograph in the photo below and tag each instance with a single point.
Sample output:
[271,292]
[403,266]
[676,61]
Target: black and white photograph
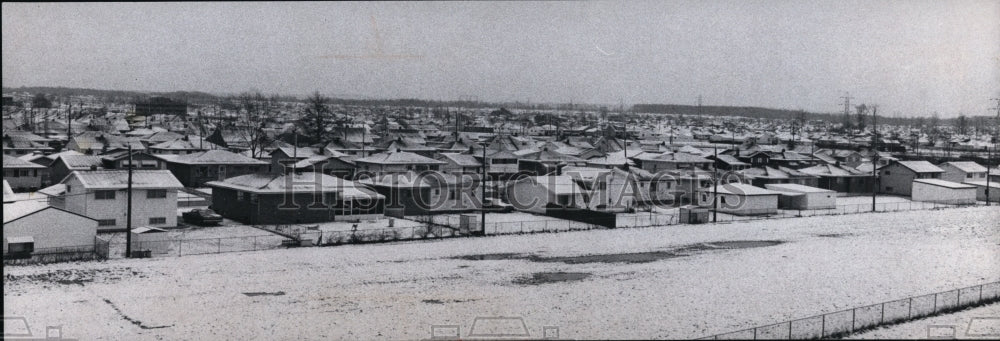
[497,170]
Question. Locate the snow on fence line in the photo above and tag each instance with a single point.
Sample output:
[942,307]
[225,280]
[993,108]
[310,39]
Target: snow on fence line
[849,321]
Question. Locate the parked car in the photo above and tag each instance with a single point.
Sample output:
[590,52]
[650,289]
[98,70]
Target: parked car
[202,216]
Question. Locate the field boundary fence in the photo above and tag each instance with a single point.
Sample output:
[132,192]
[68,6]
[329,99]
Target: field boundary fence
[849,321]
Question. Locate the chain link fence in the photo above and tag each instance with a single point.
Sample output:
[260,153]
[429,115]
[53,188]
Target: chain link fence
[845,322]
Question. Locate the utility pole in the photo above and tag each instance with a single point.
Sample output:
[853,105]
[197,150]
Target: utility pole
[715,191]
[874,155]
[482,193]
[989,153]
[128,219]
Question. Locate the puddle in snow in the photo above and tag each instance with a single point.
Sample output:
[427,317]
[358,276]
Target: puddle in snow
[637,257]
[744,244]
[277,293]
[632,257]
[551,277]
[491,256]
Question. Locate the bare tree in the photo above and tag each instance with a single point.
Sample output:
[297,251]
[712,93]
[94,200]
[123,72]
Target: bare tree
[317,117]
[255,111]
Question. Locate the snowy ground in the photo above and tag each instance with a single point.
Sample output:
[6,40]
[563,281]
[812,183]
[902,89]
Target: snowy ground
[973,323]
[671,282]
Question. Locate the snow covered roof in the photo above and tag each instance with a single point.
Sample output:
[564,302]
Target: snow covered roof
[464,160]
[832,170]
[967,166]
[741,189]
[944,183]
[280,183]
[399,158]
[18,209]
[82,162]
[13,162]
[118,179]
[213,157]
[920,166]
[796,188]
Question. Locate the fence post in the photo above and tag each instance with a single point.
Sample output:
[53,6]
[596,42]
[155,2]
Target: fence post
[958,299]
[980,291]
[180,247]
[852,318]
[909,309]
[882,319]
[755,333]
[789,330]
[255,243]
[935,304]
[822,327]
[218,244]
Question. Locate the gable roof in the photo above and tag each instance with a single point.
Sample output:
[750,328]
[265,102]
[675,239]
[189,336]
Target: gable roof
[399,158]
[463,160]
[967,166]
[212,157]
[741,189]
[920,166]
[118,179]
[13,162]
[80,162]
[306,182]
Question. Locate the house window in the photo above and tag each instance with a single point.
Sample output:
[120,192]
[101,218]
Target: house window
[104,195]
[253,197]
[24,172]
[106,222]
[722,199]
[23,247]
[886,172]
[239,196]
[157,220]
[969,175]
[451,195]
[437,191]
[156,194]
[888,189]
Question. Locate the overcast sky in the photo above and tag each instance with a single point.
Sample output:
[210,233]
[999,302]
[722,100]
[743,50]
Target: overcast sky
[911,57]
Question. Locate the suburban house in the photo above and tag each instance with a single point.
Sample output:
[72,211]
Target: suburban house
[963,171]
[538,193]
[194,170]
[183,145]
[23,175]
[671,161]
[15,144]
[653,188]
[763,175]
[66,164]
[457,163]
[264,198]
[609,190]
[799,197]
[413,193]
[119,159]
[981,190]
[546,162]
[897,177]
[102,195]
[397,162]
[841,179]
[942,191]
[740,199]
[95,142]
[33,227]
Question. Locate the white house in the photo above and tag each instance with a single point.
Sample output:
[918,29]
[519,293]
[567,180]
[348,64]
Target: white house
[608,189]
[963,171]
[937,190]
[33,227]
[981,190]
[102,195]
[534,194]
[801,197]
[741,199]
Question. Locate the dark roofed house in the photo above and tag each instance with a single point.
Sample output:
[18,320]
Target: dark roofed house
[841,179]
[15,144]
[66,164]
[294,198]
[194,170]
[95,142]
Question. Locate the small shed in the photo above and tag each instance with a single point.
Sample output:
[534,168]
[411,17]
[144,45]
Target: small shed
[690,214]
[941,191]
[801,197]
[981,190]
[153,239]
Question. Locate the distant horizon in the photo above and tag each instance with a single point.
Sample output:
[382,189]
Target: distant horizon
[608,105]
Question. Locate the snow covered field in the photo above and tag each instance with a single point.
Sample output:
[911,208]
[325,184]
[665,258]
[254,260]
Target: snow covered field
[682,281]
